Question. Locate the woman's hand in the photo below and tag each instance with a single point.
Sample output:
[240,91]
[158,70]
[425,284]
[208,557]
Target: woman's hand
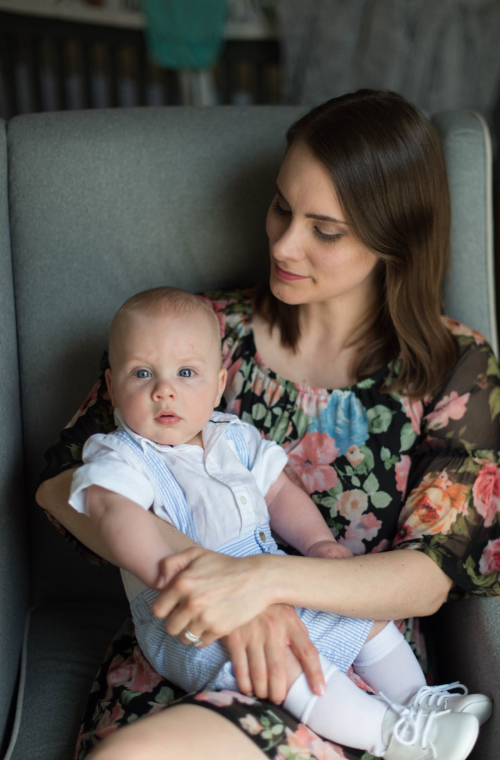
[267,651]
[210,594]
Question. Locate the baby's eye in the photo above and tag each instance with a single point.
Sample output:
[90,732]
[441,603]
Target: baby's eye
[142,373]
[186,372]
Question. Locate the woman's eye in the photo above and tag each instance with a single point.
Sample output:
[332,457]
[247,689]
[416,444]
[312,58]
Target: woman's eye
[326,238]
[279,209]
[186,372]
[143,373]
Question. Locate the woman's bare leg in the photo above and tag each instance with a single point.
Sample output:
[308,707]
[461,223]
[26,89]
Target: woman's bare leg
[184,731]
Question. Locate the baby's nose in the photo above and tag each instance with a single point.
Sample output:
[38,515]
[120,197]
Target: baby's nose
[164,389]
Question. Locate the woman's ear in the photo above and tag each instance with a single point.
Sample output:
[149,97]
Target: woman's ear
[109,382]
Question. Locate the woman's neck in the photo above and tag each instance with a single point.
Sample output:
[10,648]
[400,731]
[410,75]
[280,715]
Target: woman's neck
[326,350]
[337,323]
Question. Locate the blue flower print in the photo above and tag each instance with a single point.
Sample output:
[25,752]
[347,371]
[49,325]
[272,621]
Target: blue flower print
[344,419]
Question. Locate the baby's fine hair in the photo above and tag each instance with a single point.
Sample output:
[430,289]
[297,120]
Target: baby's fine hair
[165,301]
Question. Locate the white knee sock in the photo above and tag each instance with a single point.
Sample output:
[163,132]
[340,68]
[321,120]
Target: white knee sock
[387,664]
[345,714]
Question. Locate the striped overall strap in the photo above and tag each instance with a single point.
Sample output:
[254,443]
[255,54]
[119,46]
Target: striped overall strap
[241,445]
[172,495]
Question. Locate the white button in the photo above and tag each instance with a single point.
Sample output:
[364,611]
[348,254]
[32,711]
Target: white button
[243,499]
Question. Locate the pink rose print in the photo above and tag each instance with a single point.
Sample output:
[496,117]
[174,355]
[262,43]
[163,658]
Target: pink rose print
[382,546]
[89,401]
[402,471]
[359,531]
[234,384]
[306,744]
[269,390]
[109,723]
[433,507]
[452,407]
[218,308]
[311,404]
[251,725]
[354,456]
[135,672]
[486,492]
[414,411]
[310,463]
[457,328]
[224,698]
[352,504]
[490,559]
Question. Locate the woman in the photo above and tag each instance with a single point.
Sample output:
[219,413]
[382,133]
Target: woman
[383,406]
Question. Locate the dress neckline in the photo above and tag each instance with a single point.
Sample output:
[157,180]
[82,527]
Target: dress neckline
[301,387]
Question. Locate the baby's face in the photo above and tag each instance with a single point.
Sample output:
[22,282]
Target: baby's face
[166,377]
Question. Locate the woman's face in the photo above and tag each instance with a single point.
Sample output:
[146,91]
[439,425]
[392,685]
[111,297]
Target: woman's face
[315,256]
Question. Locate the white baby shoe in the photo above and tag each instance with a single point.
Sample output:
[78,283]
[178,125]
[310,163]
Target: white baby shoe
[411,733]
[442,698]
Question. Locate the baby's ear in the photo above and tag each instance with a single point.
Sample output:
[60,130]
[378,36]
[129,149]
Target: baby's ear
[222,383]
[109,382]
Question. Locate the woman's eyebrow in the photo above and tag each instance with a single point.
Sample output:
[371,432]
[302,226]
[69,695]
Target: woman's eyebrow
[320,217]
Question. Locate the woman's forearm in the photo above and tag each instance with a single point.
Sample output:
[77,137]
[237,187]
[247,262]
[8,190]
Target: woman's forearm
[53,496]
[385,586]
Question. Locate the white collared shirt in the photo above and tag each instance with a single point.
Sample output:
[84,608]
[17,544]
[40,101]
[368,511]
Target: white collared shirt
[225,498]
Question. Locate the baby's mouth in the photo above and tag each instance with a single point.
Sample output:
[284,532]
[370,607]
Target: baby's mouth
[167,418]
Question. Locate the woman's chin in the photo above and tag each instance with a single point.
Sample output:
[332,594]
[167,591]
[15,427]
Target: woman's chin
[284,292]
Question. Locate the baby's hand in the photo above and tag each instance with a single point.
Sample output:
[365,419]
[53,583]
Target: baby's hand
[329,550]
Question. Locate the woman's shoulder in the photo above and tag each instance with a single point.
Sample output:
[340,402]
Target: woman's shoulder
[228,301]
[477,364]
[233,309]
[465,336]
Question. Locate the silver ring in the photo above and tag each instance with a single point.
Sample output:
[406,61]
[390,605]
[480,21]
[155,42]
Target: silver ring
[192,638]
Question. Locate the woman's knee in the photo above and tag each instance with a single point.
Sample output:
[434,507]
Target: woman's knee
[178,732]
[133,742]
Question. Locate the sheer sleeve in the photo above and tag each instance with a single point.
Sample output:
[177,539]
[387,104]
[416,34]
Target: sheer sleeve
[95,415]
[452,509]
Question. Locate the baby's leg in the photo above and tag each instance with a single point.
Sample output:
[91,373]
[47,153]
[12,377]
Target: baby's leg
[387,663]
[336,715]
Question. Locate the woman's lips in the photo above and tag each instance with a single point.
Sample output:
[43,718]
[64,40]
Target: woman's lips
[167,418]
[287,275]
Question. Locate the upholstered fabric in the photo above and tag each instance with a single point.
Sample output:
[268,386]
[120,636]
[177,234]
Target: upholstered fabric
[13,547]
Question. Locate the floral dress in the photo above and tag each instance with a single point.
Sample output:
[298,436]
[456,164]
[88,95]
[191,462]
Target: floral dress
[384,472]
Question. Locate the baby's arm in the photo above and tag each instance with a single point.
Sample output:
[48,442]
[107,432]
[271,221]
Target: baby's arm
[296,518]
[129,533]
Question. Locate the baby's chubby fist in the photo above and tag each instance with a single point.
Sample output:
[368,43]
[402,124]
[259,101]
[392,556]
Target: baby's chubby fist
[329,550]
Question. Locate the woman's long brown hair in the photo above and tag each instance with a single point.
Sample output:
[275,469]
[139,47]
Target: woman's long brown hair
[387,166]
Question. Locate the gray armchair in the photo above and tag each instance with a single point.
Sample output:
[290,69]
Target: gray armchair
[95,206]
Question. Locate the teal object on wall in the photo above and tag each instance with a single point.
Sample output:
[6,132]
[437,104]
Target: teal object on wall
[184,34]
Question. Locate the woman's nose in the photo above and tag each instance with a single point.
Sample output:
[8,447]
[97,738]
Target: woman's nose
[289,245]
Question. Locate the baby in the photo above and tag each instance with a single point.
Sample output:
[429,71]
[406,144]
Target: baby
[218,481]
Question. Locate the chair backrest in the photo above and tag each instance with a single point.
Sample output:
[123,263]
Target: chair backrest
[470,292]
[106,203]
[13,546]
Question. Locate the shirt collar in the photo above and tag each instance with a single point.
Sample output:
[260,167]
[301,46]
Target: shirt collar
[211,433]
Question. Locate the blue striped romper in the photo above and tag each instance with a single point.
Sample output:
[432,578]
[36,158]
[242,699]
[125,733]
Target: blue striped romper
[338,638]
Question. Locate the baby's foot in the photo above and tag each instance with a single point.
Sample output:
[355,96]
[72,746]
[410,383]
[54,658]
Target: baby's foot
[443,697]
[411,733]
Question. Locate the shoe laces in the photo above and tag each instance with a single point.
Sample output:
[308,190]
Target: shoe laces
[413,725]
[435,696]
